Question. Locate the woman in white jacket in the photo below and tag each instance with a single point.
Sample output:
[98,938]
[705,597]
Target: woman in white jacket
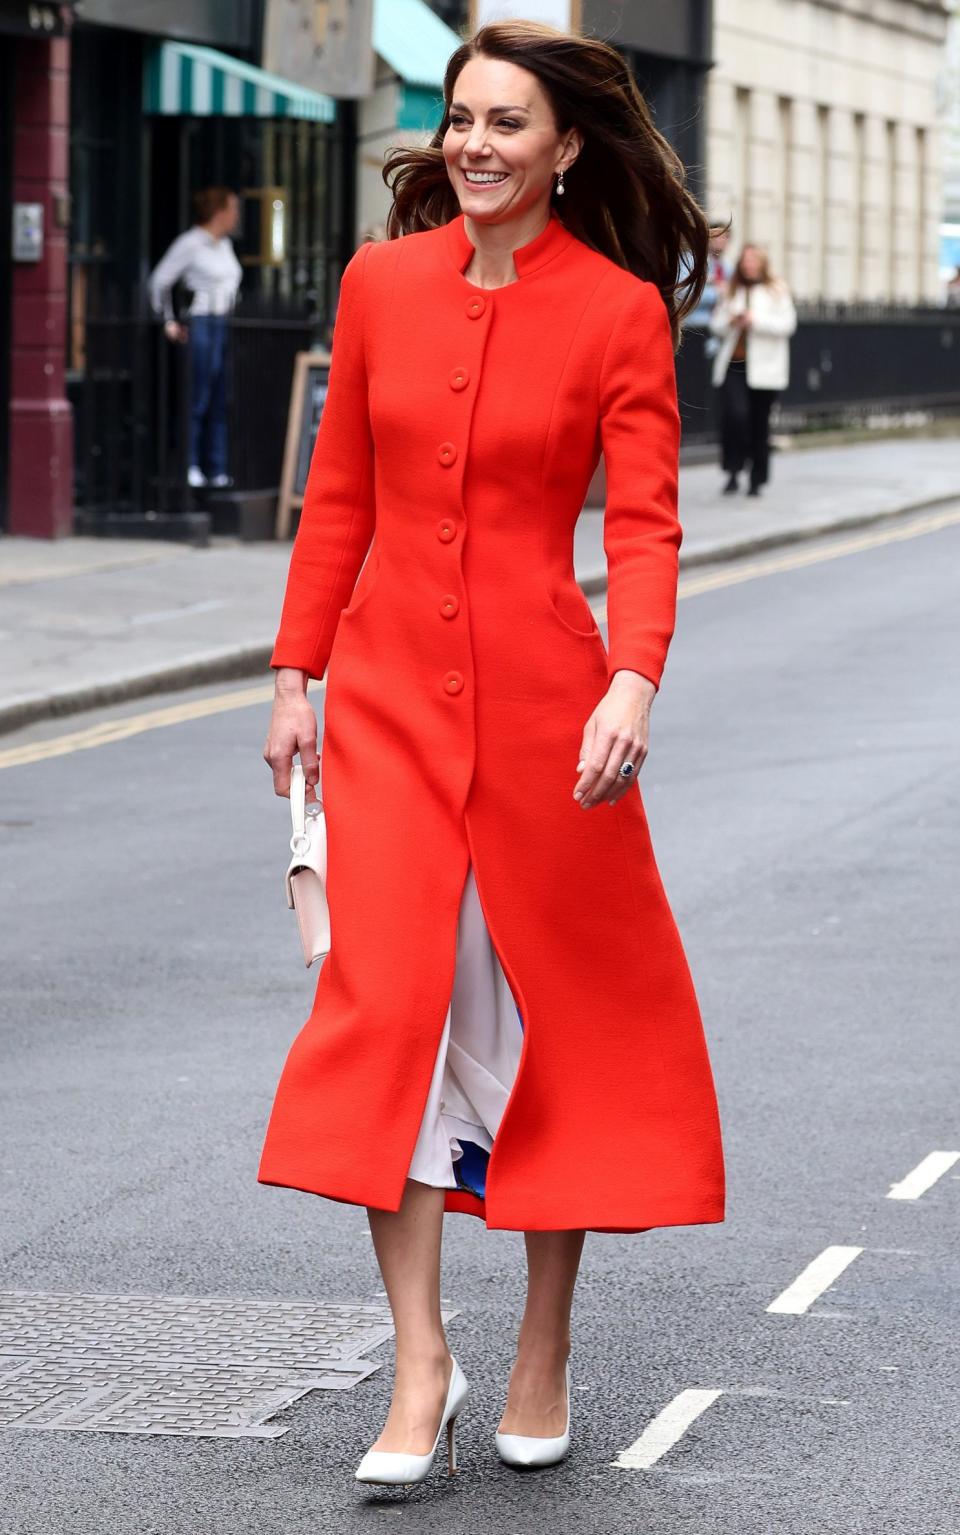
[754,320]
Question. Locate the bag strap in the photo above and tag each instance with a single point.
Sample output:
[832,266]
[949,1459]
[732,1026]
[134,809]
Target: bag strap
[298,800]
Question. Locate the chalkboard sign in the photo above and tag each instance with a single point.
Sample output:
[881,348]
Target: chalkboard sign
[308,392]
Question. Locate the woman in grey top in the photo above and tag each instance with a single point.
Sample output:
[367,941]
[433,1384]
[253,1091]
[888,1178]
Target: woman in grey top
[204,260]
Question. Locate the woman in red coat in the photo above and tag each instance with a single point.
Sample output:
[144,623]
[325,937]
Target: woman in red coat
[505,1024]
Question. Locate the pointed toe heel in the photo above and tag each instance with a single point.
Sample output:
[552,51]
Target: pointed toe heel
[395,1468]
[526,1451]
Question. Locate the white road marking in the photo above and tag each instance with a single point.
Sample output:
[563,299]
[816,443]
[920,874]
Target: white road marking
[924,1176]
[667,1427]
[816,1277]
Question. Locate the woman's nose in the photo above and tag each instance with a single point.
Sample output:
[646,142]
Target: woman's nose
[476,141]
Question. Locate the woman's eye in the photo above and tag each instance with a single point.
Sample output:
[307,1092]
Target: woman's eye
[456,120]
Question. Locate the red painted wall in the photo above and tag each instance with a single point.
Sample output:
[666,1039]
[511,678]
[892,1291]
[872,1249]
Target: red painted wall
[41,421]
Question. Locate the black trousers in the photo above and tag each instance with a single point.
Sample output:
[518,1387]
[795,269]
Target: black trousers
[745,425]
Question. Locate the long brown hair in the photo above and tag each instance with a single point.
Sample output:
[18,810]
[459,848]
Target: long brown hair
[767,278]
[626,193]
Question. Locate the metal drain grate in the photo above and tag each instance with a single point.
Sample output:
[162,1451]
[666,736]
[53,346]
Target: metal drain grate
[150,1364]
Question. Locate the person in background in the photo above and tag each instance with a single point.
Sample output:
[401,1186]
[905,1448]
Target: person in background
[203,259]
[753,320]
[953,290]
[718,275]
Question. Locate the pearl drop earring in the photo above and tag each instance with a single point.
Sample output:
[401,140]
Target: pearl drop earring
[560,184]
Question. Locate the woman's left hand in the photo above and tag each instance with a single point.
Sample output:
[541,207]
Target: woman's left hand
[617,730]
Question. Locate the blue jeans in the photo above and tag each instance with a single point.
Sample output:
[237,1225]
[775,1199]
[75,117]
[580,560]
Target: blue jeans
[208,392]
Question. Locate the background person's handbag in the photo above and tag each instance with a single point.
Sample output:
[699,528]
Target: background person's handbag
[306,879]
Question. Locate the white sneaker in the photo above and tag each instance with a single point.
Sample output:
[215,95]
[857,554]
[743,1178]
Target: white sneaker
[196,477]
[221,481]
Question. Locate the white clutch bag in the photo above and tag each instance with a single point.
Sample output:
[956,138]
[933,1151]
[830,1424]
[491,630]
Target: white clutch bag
[306,879]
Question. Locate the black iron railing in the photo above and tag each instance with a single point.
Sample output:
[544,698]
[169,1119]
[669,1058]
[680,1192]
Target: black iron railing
[848,363]
[131,404]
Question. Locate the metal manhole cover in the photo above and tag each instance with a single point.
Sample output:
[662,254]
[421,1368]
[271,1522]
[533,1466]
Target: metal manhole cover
[152,1364]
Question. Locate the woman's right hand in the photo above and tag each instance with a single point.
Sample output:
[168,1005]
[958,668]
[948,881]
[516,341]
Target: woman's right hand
[174,331]
[293,728]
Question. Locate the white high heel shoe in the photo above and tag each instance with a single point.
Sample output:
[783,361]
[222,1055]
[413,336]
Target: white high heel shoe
[534,1449]
[397,1468]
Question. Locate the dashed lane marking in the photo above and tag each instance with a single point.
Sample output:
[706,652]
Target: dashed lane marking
[663,1432]
[816,1277]
[924,1175]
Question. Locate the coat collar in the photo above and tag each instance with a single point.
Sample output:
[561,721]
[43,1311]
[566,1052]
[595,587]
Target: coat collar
[528,258]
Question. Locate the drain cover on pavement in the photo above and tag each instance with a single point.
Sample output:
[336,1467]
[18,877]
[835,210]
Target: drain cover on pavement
[150,1364]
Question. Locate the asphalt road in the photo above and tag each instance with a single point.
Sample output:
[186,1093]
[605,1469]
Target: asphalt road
[802,790]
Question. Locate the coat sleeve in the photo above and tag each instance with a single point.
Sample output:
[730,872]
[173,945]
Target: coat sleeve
[337,518]
[169,270]
[640,436]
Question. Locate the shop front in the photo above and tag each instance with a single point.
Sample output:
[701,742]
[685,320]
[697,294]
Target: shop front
[155,119]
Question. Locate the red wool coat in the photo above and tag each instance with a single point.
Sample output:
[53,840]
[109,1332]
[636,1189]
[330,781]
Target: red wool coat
[461,429]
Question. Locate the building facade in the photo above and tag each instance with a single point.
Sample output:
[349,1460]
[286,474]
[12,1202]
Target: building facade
[950,229]
[825,139]
[115,112]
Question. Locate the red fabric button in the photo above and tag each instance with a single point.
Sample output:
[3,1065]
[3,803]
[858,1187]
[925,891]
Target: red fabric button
[447,454]
[453,682]
[449,605]
[476,306]
[459,378]
[446,531]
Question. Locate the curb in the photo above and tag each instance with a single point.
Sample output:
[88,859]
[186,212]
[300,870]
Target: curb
[228,665]
[234,663]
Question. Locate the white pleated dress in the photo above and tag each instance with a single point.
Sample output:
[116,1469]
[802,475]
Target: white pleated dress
[476,1061]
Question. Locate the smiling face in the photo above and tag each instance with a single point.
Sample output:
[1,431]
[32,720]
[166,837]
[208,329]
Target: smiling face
[502,146]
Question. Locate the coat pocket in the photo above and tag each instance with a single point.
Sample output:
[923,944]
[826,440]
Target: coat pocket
[365,583]
[570,608]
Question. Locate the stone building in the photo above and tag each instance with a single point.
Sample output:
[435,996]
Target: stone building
[825,133]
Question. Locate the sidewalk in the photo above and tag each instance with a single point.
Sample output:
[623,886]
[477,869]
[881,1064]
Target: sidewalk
[86,622]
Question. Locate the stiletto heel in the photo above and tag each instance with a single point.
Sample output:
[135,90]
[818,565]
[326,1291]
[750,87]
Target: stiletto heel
[452,1447]
[396,1467]
[529,1450]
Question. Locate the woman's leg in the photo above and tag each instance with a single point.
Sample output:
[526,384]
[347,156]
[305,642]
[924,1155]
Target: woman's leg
[734,419]
[217,408]
[201,360]
[536,1398]
[407,1244]
[761,401]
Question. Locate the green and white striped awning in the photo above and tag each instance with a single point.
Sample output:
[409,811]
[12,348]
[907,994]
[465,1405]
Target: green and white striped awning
[183,80]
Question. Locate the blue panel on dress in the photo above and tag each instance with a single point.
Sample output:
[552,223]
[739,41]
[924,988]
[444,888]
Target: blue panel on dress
[471,1168]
